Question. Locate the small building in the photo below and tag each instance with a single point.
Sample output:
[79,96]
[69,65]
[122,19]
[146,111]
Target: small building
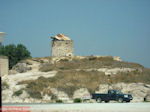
[61,46]
[4,66]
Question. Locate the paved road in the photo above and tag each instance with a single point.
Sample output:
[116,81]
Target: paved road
[87,107]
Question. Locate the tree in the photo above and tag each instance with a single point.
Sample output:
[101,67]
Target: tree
[14,53]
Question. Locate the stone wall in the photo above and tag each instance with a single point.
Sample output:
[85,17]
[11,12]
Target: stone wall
[62,48]
[3,66]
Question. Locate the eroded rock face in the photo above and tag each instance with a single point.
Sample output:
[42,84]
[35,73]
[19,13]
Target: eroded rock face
[9,97]
[24,95]
[82,93]
[21,68]
[61,95]
[12,72]
[12,81]
[117,58]
[112,71]
[147,97]
[46,98]
[103,88]
[139,91]
[26,66]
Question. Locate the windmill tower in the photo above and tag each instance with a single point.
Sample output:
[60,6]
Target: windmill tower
[61,46]
[2,34]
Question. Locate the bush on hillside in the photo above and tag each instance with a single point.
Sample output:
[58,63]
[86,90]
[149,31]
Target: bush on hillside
[59,101]
[5,85]
[18,93]
[15,53]
[77,100]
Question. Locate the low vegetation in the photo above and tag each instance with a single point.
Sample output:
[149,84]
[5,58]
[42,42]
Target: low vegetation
[5,85]
[18,93]
[15,53]
[71,80]
[132,77]
[67,81]
[77,100]
[88,63]
[59,101]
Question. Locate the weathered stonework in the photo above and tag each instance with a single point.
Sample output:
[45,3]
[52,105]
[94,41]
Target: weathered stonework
[62,48]
[3,65]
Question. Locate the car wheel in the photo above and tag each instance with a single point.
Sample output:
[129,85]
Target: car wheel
[106,101]
[120,100]
[99,100]
[128,101]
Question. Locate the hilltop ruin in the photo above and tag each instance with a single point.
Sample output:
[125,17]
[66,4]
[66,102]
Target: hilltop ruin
[61,46]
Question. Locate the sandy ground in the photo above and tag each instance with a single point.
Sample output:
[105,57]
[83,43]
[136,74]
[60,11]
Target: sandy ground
[86,107]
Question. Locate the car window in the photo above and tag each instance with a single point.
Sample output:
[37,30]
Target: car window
[118,92]
[112,92]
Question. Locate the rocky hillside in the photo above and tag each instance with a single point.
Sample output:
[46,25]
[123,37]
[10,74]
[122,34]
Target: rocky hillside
[64,79]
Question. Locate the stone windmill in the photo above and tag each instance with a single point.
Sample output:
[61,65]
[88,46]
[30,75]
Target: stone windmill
[61,46]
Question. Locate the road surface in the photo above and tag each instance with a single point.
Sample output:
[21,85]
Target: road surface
[84,107]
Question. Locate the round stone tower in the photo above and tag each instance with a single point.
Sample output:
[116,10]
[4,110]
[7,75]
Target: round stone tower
[61,46]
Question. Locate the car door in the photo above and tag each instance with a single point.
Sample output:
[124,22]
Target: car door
[112,95]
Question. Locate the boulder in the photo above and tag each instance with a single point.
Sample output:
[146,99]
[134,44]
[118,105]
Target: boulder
[11,72]
[147,97]
[24,95]
[21,67]
[46,98]
[61,95]
[82,93]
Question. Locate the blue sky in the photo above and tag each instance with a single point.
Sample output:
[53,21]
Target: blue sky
[98,27]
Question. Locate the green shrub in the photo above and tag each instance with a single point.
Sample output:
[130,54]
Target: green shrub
[59,101]
[15,53]
[5,85]
[53,97]
[18,93]
[34,94]
[77,100]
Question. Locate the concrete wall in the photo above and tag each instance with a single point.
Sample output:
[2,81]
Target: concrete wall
[62,48]
[4,66]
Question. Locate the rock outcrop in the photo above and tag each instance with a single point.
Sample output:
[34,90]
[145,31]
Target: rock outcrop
[140,92]
[28,70]
[21,68]
[82,93]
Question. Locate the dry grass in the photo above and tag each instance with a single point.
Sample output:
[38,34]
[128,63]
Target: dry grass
[132,77]
[87,63]
[67,81]
[71,80]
